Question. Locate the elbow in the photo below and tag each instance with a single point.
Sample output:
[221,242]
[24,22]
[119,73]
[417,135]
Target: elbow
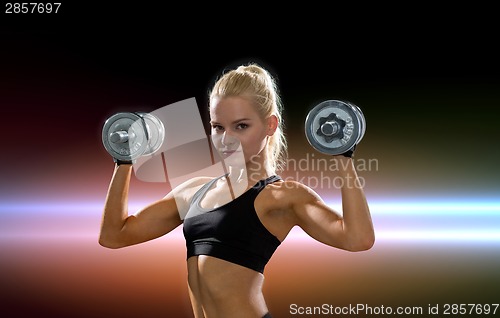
[367,244]
[108,243]
[361,245]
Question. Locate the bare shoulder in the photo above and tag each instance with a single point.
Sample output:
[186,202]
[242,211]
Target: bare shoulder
[183,193]
[187,188]
[192,183]
[280,203]
[290,192]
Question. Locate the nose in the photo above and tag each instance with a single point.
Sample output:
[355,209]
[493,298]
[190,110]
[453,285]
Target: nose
[228,139]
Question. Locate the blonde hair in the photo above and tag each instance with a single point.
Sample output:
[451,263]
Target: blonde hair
[254,81]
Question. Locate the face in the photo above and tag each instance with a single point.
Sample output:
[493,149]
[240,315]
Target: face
[237,129]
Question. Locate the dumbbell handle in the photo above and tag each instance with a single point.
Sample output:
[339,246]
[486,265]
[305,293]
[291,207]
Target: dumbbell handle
[119,137]
[330,128]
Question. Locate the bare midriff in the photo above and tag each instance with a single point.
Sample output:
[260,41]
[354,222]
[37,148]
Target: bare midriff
[220,289]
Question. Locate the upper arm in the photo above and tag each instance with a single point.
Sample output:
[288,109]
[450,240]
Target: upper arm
[153,221]
[316,218]
[160,217]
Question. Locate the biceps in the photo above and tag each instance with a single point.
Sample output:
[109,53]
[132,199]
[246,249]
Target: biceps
[321,222]
[153,221]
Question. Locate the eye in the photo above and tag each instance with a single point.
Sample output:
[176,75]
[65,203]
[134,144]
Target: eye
[217,128]
[241,126]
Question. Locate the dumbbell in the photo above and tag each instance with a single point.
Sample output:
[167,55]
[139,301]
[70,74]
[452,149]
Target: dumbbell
[334,127]
[130,135]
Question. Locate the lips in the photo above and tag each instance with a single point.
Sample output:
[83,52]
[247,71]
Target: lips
[227,152]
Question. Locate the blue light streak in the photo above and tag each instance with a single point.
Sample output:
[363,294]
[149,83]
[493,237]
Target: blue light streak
[412,220]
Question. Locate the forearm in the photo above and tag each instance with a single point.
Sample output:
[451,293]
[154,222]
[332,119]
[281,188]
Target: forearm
[116,205]
[357,219]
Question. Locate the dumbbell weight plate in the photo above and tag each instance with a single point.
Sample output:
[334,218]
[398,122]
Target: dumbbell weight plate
[362,120]
[127,148]
[155,132]
[127,136]
[346,119]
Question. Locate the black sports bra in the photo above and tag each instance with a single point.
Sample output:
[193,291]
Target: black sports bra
[232,232]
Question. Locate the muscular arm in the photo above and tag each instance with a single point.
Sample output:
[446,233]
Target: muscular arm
[353,230]
[119,229]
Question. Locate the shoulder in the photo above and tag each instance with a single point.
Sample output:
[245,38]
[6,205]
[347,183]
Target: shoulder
[286,201]
[186,189]
[193,182]
[290,192]
[183,193]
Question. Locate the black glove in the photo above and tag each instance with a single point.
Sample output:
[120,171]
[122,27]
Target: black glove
[349,153]
[122,162]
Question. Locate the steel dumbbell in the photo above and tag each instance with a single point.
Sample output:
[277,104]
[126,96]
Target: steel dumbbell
[334,127]
[130,135]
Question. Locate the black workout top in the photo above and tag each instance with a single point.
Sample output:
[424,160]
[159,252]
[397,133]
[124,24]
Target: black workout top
[232,232]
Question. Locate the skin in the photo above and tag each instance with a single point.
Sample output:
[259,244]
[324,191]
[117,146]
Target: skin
[219,289]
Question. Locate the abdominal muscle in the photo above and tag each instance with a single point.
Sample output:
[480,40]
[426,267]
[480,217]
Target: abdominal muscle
[220,289]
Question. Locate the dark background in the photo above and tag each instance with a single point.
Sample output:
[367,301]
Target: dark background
[426,78]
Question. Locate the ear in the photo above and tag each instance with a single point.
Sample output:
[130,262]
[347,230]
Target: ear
[272,124]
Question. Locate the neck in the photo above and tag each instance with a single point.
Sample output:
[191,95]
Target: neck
[258,168]
[247,176]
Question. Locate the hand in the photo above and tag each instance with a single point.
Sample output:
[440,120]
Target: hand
[349,153]
[122,162]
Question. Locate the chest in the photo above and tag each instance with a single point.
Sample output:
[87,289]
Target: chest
[232,221]
[217,197]
[221,194]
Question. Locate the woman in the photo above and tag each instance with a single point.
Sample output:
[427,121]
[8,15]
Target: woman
[235,222]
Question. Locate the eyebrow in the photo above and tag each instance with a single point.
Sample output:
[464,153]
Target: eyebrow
[234,122]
